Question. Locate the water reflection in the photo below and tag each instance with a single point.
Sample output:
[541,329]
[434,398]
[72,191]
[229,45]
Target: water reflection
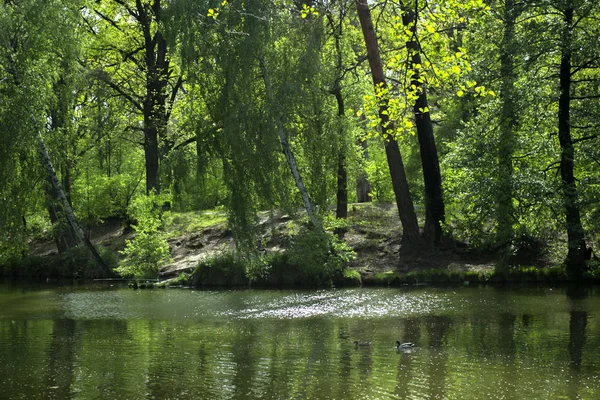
[470,343]
[438,328]
[578,321]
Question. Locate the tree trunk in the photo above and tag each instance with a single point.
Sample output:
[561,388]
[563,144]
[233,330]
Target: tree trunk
[342,174]
[504,196]
[287,151]
[66,207]
[363,186]
[434,202]
[576,238]
[151,152]
[155,110]
[410,226]
[157,68]
[64,236]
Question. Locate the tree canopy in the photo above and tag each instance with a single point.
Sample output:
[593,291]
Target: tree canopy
[479,119]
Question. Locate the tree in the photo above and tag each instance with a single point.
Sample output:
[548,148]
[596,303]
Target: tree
[434,202]
[31,60]
[394,158]
[74,229]
[508,125]
[287,151]
[336,90]
[577,248]
[134,60]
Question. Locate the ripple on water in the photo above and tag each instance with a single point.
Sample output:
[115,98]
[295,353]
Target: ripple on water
[343,304]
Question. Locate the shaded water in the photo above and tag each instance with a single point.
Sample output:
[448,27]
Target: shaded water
[103,342]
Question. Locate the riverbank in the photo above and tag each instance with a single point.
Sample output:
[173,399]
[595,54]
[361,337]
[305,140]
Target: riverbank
[203,255]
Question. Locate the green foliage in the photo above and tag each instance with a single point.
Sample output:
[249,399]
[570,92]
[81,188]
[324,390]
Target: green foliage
[315,259]
[320,254]
[149,250]
[378,174]
[183,279]
[352,275]
[225,269]
[219,143]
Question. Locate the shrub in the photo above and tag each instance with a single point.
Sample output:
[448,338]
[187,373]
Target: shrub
[320,255]
[226,269]
[149,250]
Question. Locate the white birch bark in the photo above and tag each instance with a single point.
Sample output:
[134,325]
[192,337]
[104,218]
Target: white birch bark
[287,151]
[68,210]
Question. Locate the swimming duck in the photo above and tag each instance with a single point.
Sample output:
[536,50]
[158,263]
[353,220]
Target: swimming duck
[402,346]
[358,344]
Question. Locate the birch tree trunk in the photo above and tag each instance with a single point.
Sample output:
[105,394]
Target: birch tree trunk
[287,151]
[66,206]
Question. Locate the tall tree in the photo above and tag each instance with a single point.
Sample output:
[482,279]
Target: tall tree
[34,60]
[434,202]
[508,124]
[135,62]
[394,158]
[576,236]
[287,150]
[336,90]
[74,228]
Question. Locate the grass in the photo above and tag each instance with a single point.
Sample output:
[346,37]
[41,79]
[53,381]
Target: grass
[524,274]
[182,223]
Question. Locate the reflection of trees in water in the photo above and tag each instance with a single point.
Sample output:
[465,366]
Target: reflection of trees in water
[412,333]
[437,334]
[437,329]
[60,372]
[527,320]
[577,324]
[114,358]
[345,361]
[244,359]
[498,352]
[277,341]
[577,337]
[507,346]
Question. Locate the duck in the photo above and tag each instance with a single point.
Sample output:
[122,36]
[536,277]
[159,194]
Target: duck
[358,344]
[402,346]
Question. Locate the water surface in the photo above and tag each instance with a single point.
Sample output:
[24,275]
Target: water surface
[108,342]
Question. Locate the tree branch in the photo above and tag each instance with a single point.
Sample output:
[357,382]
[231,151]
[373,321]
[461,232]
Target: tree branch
[597,96]
[129,10]
[185,143]
[173,96]
[581,139]
[103,76]
[110,21]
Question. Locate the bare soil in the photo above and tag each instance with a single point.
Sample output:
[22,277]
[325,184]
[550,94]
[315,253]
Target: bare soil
[374,232]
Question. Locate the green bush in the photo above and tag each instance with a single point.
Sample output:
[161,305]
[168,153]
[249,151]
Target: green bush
[320,255]
[226,269]
[149,250]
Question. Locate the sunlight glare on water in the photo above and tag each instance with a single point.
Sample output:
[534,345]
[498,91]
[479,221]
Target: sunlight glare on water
[96,341]
[354,303]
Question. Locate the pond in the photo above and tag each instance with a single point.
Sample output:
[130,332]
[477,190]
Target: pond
[108,342]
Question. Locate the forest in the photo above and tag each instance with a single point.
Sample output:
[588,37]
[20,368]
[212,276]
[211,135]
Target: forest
[477,119]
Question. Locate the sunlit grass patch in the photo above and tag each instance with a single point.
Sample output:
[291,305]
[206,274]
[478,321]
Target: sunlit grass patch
[181,223]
